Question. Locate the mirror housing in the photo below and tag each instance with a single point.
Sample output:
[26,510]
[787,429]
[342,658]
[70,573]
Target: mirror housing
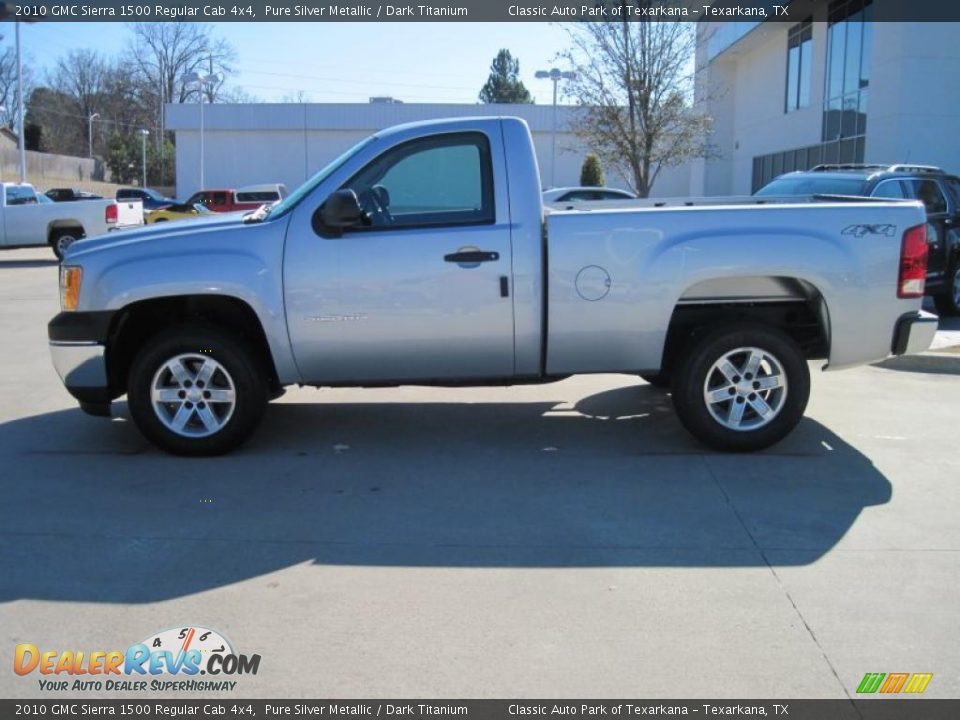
[342,209]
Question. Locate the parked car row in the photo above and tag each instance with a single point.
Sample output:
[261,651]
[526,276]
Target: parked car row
[938,190]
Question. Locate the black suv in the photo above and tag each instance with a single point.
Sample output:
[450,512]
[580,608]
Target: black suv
[938,190]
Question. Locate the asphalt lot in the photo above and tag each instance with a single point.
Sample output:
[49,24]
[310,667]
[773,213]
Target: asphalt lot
[566,540]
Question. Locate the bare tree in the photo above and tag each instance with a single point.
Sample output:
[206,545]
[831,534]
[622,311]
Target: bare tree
[8,85]
[164,53]
[635,86]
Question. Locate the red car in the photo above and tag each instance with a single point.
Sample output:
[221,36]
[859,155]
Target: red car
[248,198]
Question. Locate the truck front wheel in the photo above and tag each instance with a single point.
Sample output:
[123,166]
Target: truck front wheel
[741,387]
[196,390]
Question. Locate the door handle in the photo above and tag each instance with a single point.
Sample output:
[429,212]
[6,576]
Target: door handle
[471,257]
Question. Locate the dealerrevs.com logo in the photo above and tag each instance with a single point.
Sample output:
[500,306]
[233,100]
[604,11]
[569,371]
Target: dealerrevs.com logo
[170,660]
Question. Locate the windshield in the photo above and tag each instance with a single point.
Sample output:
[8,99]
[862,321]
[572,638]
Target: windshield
[292,200]
[814,185]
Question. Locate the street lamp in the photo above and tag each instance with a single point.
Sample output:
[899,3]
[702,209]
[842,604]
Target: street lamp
[201,81]
[20,140]
[90,120]
[143,155]
[555,76]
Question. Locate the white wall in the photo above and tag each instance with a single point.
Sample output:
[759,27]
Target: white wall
[264,143]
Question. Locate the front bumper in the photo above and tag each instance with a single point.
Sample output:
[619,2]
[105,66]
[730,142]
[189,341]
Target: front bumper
[914,333]
[78,349]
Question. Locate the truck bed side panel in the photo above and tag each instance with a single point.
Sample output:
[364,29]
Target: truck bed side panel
[615,277]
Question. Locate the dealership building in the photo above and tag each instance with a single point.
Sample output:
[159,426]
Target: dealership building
[287,143]
[839,85]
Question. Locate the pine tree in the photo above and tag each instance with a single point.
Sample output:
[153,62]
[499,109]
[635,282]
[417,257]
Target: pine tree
[504,84]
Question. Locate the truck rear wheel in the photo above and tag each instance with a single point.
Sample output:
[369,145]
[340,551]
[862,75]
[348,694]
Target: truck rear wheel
[196,390]
[60,240]
[741,387]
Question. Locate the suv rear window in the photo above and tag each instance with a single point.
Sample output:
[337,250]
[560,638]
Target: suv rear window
[812,184]
[929,193]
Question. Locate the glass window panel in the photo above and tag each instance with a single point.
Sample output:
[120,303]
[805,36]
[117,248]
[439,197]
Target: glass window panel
[847,151]
[793,74]
[860,152]
[888,189]
[806,55]
[831,152]
[867,52]
[851,62]
[848,122]
[837,41]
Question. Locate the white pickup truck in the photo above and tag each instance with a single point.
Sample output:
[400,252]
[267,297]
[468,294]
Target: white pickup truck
[424,255]
[26,220]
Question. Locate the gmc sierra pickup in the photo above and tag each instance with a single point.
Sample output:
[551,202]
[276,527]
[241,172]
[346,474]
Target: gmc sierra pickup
[425,256]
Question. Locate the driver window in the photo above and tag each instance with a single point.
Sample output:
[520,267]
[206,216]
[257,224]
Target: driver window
[444,180]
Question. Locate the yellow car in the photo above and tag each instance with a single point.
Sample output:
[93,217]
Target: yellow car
[180,211]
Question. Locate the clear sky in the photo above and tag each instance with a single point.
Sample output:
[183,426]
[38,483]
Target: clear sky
[341,62]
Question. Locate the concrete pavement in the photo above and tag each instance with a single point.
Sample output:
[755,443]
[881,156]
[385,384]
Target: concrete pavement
[565,540]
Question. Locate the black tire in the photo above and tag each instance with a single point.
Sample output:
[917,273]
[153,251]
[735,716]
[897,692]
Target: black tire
[238,365]
[948,302]
[691,378]
[660,380]
[61,239]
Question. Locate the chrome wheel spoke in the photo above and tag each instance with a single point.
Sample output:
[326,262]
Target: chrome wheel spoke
[760,406]
[208,419]
[167,395]
[728,371]
[753,363]
[721,394]
[735,416]
[206,372]
[181,418]
[179,372]
[217,395]
[769,382]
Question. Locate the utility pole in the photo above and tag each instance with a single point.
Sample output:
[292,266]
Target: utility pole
[20,139]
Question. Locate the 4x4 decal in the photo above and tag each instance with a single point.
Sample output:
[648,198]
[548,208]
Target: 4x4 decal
[861,230]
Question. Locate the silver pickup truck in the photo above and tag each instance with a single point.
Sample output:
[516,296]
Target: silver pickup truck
[424,256]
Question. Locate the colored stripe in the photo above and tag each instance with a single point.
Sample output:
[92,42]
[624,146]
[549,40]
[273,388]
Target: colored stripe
[918,682]
[894,682]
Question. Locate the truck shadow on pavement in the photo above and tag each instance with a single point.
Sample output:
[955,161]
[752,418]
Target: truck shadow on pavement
[93,514]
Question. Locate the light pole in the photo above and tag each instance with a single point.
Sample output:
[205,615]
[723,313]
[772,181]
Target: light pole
[20,140]
[143,155]
[201,82]
[90,120]
[555,76]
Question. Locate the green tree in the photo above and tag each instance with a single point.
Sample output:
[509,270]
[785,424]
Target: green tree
[591,172]
[122,159]
[504,84]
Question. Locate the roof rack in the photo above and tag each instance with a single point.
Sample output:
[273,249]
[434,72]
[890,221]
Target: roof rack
[848,166]
[916,168]
[877,166]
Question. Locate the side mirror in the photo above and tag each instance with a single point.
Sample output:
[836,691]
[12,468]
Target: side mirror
[342,209]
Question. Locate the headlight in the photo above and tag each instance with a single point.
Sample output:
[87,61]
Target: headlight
[70,278]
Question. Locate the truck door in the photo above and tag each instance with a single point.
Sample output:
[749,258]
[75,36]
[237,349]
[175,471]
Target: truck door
[421,290]
[22,223]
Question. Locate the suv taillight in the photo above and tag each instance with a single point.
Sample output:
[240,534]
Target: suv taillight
[913,263]
[111,213]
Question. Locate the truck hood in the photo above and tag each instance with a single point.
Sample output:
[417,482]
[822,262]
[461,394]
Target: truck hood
[156,232]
